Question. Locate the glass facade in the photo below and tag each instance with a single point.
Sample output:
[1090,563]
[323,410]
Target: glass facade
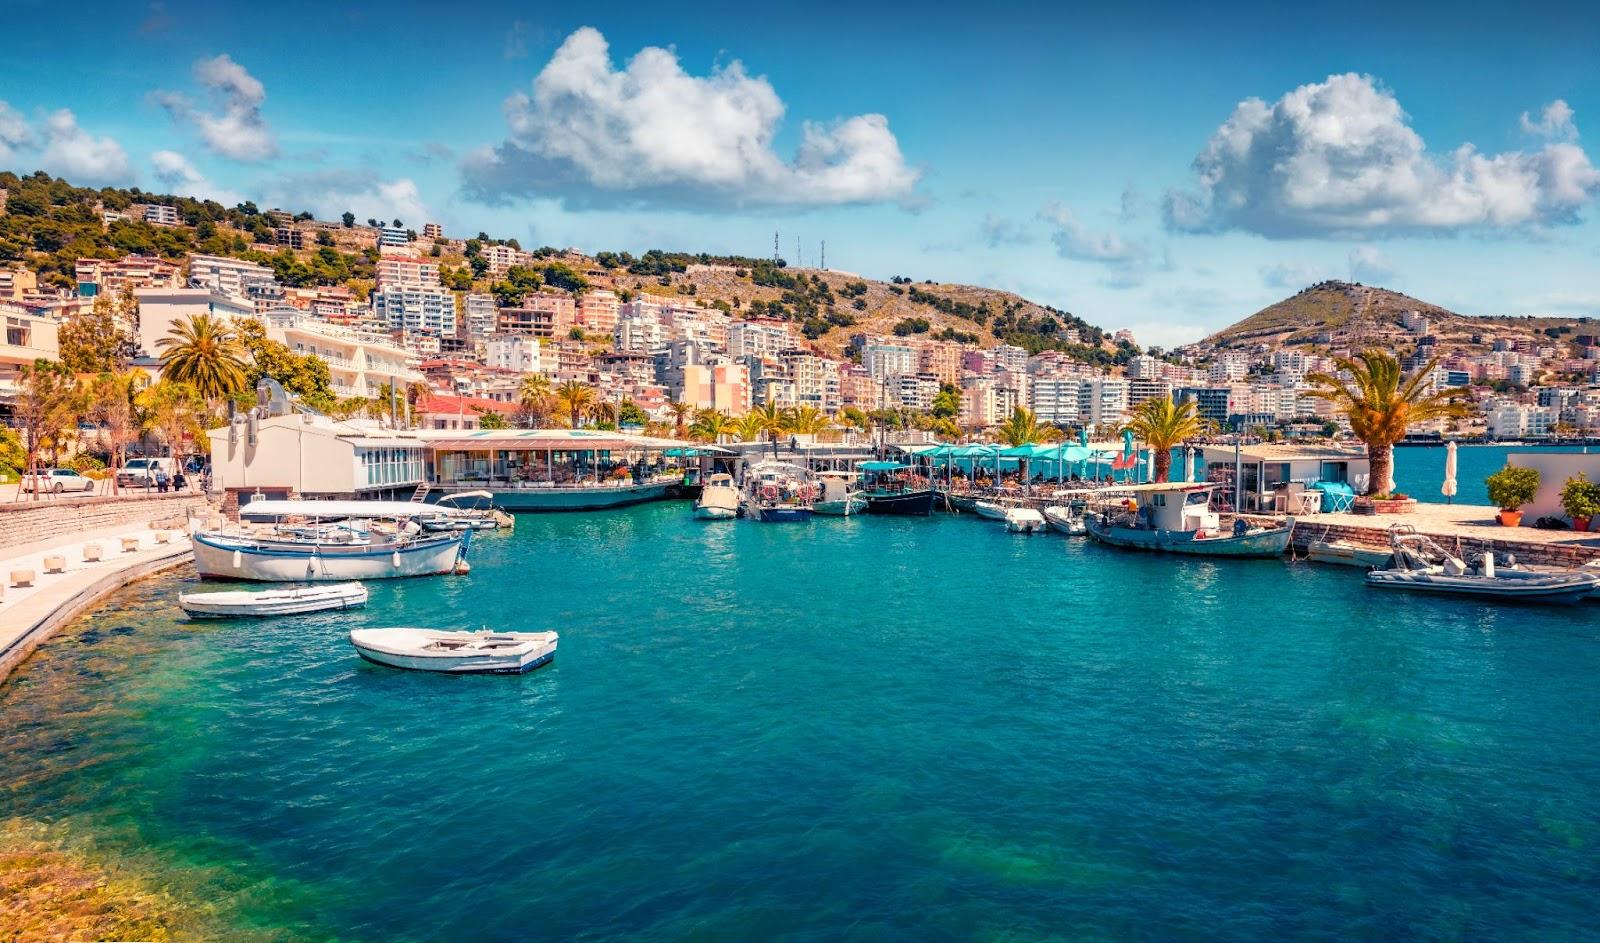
[389,467]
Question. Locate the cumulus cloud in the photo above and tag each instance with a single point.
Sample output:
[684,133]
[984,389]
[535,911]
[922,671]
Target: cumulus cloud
[1368,264]
[1554,122]
[85,160]
[180,177]
[14,132]
[1127,261]
[1295,275]
[235,129]
[1339,157]
[999,232]
[327,194]
[650,134]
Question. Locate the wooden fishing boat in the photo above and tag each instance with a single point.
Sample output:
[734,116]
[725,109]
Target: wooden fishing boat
[1176,518]
[273,602]
[482,652]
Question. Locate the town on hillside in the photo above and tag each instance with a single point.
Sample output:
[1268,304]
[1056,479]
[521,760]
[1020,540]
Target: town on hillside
[367,309]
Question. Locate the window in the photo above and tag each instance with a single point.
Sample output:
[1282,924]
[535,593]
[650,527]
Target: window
[18,333]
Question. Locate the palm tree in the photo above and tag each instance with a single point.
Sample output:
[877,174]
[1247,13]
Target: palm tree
[575,398]
[203,352]
[771,418]
[1381,403]
[710,425]
[1162,425]
[852,415]
[604,411]
[1021,429]
[804,420]
[750,426]
[680,412]
[533,395]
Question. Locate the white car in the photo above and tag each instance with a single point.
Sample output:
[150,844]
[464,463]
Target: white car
[57,480]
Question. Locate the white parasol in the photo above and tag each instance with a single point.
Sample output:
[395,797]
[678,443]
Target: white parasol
[1448,489]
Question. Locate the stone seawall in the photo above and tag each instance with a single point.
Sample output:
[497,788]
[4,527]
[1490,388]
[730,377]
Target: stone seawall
[1533,553]
[26,521]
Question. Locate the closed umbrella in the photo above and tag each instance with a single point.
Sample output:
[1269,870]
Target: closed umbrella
[1448,489]
[1188,463]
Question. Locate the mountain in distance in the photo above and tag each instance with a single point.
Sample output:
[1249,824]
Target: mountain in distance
[1336,313]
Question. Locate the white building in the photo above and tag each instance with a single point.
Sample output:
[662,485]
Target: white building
[415,309]
[407,271]
[758,337]
[159,214]
[1103,400]
[232,277]
[517,352]
[392,236]
[479,315]
[1055,399]
[161,308]
[1008,357]
[889,360]
[1519,420]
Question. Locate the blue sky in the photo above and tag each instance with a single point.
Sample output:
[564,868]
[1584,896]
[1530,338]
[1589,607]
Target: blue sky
[1162,167]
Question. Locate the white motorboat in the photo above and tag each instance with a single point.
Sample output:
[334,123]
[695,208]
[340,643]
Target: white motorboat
[388,543]
[1344,553]
[993,510]
[1065,520]
[719,499]
[1420,565]
[481,652]
[274,602]
[838,499]
[465,510]
[1024,521]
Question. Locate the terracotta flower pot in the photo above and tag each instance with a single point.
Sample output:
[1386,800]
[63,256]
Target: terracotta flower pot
[1580,523]
[1509,518]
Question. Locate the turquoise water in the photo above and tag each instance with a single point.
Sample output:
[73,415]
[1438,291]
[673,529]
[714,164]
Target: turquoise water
[864,729]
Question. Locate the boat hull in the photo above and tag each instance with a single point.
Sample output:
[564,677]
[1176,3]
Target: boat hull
[844,507]
[782,515]
[1531,589]
[1263,544]
[228,558]
[714,513]
[370,645]
[538,500]
[276,602]
[1343,554]
[985,509]
[1063,523]
[912,503]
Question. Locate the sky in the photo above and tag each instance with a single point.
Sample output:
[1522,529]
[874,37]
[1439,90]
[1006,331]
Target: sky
[1169,168]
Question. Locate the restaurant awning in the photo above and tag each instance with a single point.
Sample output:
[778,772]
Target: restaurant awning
[881,466]
[517,444]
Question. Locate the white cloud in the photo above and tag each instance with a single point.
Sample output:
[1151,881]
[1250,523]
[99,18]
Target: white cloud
[1127,260]
[1554,122]
[999,232]
[328,194]
[236,130]
[14,132]
[1295,275]
[80,157]
[1338,157]
[180,177]
[652,134]
[1368,264]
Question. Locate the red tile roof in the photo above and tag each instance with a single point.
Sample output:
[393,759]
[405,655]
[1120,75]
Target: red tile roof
[438,404]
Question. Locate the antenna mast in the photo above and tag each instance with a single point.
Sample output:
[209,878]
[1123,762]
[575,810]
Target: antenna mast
[775,256]
[824,263]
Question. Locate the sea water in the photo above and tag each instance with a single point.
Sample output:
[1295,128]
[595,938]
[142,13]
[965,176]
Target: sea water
[853,729]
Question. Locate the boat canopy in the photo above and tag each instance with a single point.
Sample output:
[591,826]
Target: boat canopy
[464,495]
[882,466]
[697,450]
[262,510]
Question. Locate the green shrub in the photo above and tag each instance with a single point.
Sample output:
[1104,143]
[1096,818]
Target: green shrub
[84,463]
[1580,497]
[1513,486]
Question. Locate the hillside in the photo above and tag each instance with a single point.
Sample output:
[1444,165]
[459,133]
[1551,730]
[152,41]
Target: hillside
[1336,313]
[47,224]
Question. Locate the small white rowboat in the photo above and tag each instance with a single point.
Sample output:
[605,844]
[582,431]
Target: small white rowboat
[274,602]
[482,652]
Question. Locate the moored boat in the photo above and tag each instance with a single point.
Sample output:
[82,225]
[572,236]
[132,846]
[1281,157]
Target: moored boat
[1064,519]
[1176,518]
[993,510]
[1344,553]
[1024,521]
[481,652]
[778,492]
[719,499]
[274,602]
[465,510]
[1420,565]
[377,540]
[891,488]
[837,498]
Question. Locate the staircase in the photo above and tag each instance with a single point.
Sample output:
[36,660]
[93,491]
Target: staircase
[420,496]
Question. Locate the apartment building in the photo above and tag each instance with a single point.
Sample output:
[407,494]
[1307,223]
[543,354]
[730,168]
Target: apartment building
[28,337]
[913,392]
[518,352]
[502,258]
[407,271]
[432,231]
[392,237]
[940,360]
[159,214]
[1008,357]
[1103,400]
[16,283]
[758,337]
[415,309]
[114,276]
[162,308]
[480,316]
[884,360]
[540,315]
[815,379]
[359,363]
[597,311]
[1507,420]
[1055,399]
[232,277]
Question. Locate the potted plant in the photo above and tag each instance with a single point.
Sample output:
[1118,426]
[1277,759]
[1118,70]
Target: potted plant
[1510,488]
[1580,498]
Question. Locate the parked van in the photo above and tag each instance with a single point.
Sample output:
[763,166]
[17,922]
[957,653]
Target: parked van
[143,472]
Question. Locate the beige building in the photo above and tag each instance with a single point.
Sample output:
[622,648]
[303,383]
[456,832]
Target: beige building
[359,362]
[161,308]
[16,282]
[113,276]
[597,311]
[27,338]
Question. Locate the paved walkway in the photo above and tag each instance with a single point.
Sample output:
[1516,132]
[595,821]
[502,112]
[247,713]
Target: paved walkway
[1458,520]
[29,614]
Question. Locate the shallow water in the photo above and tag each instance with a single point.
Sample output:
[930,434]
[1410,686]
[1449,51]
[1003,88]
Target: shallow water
[867,729]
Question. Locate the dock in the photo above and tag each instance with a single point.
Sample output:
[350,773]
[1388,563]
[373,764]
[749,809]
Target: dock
[1460,528]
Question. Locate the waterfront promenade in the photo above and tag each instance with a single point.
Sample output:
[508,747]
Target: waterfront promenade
[31,612]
